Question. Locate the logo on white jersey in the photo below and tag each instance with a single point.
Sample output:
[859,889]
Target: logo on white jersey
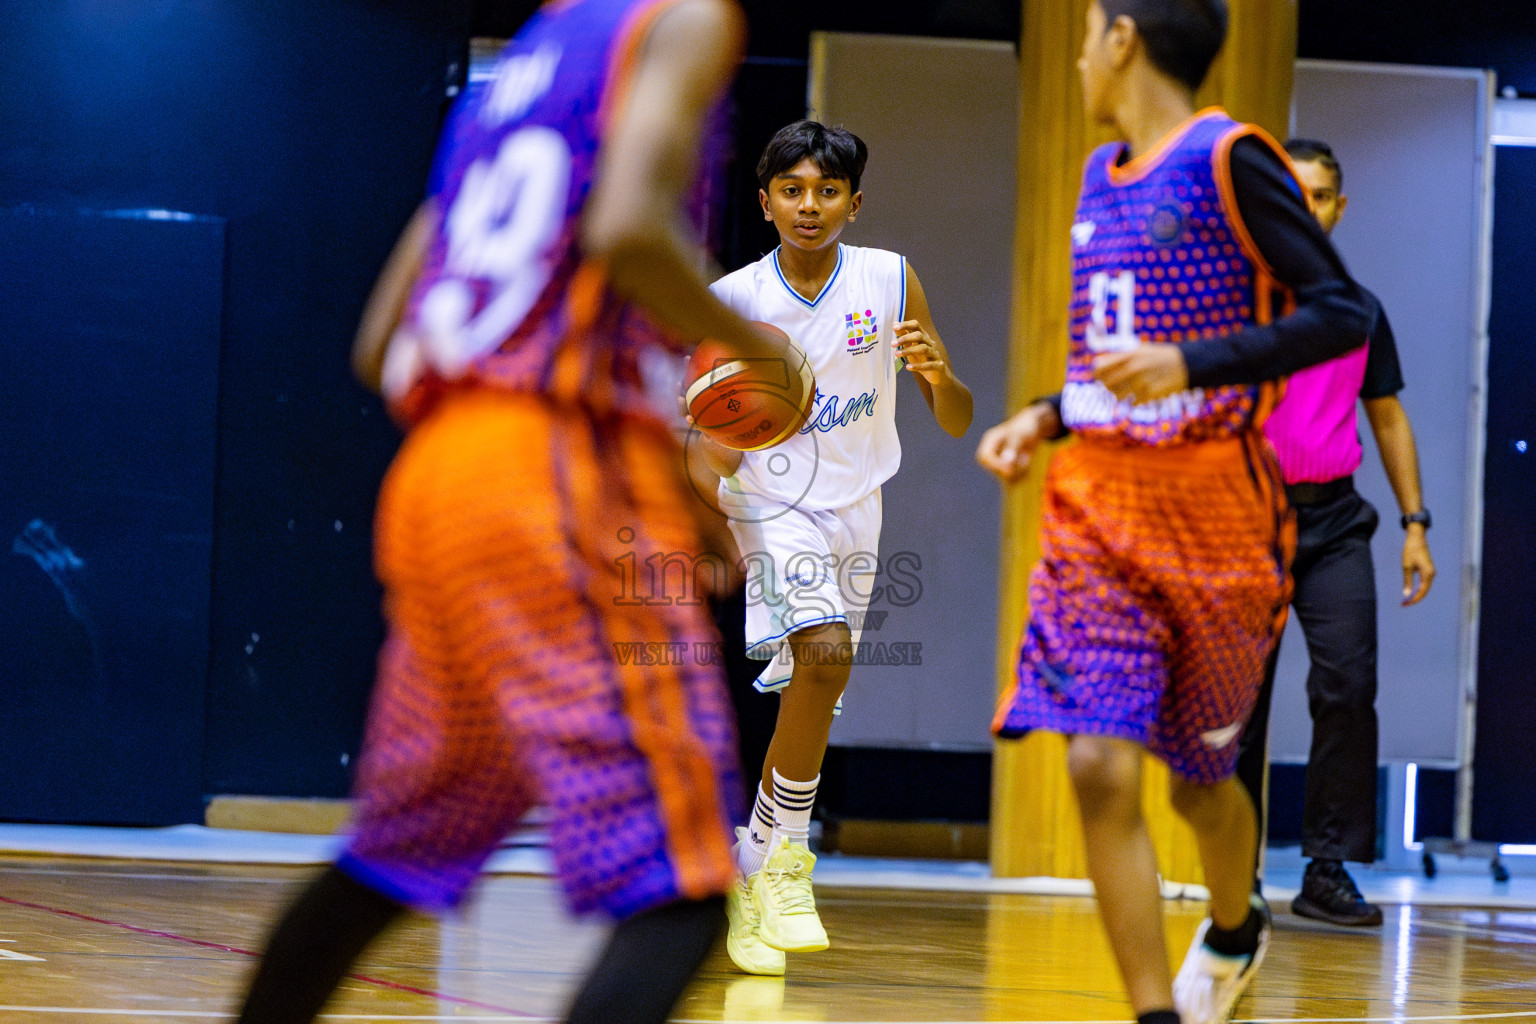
[1082,231]
[863,332]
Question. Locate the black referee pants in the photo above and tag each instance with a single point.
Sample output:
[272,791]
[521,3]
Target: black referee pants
[1335,604]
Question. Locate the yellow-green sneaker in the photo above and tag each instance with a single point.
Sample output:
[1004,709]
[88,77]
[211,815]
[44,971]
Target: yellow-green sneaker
[784,897]
[745,945]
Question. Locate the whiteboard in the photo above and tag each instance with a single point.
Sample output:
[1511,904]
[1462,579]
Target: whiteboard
[1414,146]
[1415,149]
[948,117]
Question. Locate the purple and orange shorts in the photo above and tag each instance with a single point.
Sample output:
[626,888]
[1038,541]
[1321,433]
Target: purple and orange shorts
[1161,589]
[503,531]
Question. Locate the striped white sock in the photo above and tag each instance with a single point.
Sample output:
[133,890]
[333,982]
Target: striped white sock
[751,854]
[792,802]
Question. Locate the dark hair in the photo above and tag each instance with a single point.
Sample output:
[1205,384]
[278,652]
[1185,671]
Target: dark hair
[1182,37]
[1313,151]
[836,151]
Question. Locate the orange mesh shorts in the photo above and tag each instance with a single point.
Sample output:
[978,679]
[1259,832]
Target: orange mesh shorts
[523,667]
[1161,589]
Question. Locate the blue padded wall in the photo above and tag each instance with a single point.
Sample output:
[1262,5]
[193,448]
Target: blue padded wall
[110,328]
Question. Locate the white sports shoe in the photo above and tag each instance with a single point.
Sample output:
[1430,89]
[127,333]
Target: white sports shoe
[1209,983]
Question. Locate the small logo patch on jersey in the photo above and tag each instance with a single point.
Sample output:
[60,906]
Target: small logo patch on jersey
[1166,223]
[1218,738]
[1082,232]
[862,331]
[812,576]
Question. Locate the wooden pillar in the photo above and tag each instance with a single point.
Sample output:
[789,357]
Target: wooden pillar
[1035,827]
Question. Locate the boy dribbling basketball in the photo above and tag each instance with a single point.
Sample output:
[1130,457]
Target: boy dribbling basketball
[1198,272]
[806,514]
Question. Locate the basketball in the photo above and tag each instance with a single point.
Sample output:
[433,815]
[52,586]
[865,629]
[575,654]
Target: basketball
[749,404]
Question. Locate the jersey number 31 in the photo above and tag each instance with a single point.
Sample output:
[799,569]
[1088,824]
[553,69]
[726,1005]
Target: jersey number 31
[1121,290]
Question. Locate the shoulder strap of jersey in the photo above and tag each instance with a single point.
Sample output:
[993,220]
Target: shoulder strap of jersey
[1221,168]
[1268,291]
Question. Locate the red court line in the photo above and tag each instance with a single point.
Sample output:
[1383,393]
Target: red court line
[395,985]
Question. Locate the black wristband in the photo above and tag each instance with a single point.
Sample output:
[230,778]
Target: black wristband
[1421,516]
[1054,401]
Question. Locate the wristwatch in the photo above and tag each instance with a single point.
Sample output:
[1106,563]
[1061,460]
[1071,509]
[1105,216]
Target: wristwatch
[1421,516]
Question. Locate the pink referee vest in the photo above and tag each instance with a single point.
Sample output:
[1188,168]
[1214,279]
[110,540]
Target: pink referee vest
[1313,427]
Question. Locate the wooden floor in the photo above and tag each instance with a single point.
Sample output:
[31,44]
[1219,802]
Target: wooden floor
[93,941]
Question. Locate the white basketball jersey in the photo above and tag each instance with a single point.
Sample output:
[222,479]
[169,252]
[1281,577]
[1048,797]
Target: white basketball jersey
[849,447]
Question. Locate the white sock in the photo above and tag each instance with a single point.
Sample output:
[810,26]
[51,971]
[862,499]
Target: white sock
[751,854]
[792,802]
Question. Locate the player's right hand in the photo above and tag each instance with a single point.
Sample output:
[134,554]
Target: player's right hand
[1006,450]
[718,459]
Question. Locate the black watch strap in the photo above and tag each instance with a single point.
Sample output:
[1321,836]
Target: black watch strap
[1421,516]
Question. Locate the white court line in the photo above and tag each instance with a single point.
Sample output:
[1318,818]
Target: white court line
[1479,930]
[143,876]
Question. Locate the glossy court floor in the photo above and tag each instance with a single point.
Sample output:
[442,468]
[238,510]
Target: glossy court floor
[96,940]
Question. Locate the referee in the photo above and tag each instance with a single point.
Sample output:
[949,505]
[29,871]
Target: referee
[1314,434]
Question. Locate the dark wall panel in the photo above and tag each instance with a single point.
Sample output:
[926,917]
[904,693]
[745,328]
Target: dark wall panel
[1497,34]
[110,328]
[348,100]
[307,126]
[1504,761]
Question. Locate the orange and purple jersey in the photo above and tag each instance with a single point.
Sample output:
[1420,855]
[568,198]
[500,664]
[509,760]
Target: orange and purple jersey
[505,297]
[1160,254]
[1165,540]
[522,668]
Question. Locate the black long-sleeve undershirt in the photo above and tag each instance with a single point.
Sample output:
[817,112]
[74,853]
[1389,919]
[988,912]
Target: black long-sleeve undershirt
[1332,314]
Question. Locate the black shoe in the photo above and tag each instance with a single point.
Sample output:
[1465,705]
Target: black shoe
[1329,894]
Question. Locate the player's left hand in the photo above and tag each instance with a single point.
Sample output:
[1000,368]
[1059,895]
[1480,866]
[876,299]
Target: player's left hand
[1416,563]
[922,355]
[1144,373]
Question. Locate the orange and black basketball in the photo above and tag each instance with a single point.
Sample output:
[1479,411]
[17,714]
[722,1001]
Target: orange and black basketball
[749,404]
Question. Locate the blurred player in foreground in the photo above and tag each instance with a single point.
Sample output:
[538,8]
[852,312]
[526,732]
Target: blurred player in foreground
[1198,273]
[507,331]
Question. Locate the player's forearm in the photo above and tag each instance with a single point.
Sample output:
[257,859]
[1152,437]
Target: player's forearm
[647,256]
[1330,320]
[713,459]
[652,265]
[1332,313]
[648,162]
[953,406]
[1052,426]
[1399,453]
